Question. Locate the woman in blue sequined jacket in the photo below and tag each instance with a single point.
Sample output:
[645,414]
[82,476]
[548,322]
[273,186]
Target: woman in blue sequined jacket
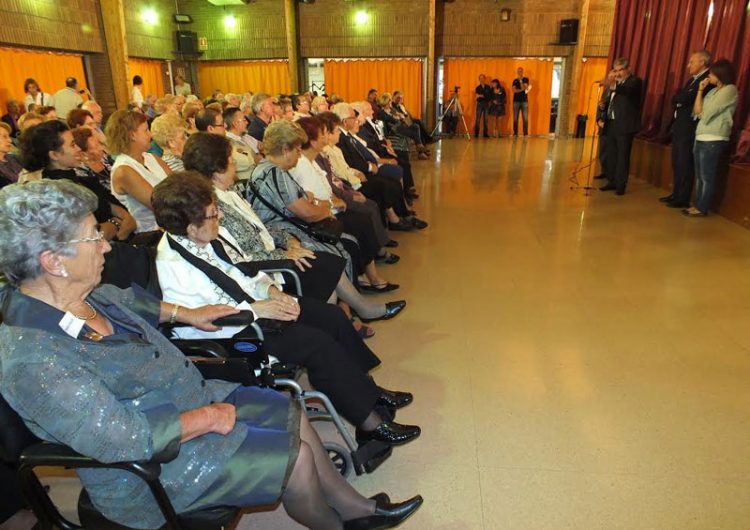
[85,367]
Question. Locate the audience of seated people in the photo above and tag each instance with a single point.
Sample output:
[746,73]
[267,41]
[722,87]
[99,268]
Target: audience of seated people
[261,171]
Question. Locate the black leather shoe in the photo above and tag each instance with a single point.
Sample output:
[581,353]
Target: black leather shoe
[389,432]
[392,243]
[391,310]
[667,198]
[381,498]
[418,223]
[608,187]
[384,288]
[387,515]
[394,399]
[401,226]
[388,258]
[600,176]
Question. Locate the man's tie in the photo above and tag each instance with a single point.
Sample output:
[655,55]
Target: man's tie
[363,150]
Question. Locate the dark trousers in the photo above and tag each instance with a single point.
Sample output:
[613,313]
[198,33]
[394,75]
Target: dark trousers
[405,164]
[521,107]
[386,192]
[360,226]
[450,122]
[337,360]
[683,168]
[602,151]
[482,110]
[618,158]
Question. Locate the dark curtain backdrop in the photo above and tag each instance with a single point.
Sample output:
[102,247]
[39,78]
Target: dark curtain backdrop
[658,37]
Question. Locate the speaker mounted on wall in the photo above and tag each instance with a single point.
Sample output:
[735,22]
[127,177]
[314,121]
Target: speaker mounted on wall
[187,42]
[568,31]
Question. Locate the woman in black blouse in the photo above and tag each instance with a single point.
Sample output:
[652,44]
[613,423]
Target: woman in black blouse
[49,147]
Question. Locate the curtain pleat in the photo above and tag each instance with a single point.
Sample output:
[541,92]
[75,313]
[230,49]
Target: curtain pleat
[151,72]
[594,69]
[238,77]
[352,79]
[48,69]
[465,73]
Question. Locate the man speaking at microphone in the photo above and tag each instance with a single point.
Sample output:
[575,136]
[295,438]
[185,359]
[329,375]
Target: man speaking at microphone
[623,121]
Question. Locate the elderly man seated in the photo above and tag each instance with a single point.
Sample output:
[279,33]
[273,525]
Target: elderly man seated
[263,108]
[212,121]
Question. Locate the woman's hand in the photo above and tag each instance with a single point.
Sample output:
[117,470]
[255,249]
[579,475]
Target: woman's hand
[222,416]
[203,317]
[276,309]
[300,256]
[358,197]
[704,83]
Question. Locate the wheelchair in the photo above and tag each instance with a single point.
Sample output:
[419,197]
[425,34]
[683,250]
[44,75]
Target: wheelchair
[269,372]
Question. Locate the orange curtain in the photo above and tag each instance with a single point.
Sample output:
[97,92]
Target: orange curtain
[465,73]
[151,72]
[594,69]
[353,79]
[48,69]
[244,76]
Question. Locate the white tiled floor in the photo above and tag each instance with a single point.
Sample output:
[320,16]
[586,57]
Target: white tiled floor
[577,362]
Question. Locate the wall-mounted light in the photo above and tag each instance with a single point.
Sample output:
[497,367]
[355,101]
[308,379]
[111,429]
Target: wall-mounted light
[150,16]
[361,17]
[505,15]
[230,22]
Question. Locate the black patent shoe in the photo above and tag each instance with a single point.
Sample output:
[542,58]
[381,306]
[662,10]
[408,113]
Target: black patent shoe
[391,310]
[418,223]
[380,498]
[401,226]
[386,515]
[389,432]
[394,399]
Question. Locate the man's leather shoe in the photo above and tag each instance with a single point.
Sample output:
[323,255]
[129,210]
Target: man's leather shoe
[394,399]
[608,187]
[391,310]
[392,243]
[401,226]
[675,204]
[389,432]
[387,515]
[667,198]
[600,176]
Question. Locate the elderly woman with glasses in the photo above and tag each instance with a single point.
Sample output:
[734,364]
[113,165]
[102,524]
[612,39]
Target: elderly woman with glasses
[85,366]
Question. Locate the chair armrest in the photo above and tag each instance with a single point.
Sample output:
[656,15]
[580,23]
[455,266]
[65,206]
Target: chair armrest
[290,272]
[234,370]
[56,455]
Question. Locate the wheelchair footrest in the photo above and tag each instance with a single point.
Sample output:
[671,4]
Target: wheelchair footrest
[368,457]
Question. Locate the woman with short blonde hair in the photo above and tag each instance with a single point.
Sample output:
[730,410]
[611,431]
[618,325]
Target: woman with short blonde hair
[170,133]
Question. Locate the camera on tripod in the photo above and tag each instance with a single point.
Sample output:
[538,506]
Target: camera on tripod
[456,89]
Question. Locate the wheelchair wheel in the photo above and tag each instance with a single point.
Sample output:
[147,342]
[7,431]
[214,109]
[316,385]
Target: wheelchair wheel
[340,457]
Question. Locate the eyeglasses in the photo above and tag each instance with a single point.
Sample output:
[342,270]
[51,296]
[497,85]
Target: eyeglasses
[219,124]
[99,237]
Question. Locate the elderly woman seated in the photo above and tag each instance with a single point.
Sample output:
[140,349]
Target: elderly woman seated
[195,268]
[366,227]
[321,273]
[10,166]
[50,147]
[135,171]
[400,126]
[280,201]
[94,160]
[85,367]
[169,131]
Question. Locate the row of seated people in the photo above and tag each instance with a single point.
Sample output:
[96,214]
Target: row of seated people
[80,343]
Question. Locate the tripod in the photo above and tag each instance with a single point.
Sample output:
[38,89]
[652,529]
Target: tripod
[594,141]
[453,102]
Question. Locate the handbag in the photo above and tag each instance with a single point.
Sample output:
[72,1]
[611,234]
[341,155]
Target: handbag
[326,230]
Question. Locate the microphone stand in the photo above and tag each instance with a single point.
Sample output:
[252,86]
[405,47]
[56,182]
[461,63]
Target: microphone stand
[594,142]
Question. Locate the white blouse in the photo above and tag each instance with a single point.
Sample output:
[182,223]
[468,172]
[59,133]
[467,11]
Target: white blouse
[152,172]
[182,283]
[312,178]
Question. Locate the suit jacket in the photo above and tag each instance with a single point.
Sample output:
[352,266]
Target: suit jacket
[626,105]
[368,134]
[257,128]
[353,155]
[683,123]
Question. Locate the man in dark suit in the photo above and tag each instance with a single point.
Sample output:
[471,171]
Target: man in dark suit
[623,121]
[601,119]
[683,132]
